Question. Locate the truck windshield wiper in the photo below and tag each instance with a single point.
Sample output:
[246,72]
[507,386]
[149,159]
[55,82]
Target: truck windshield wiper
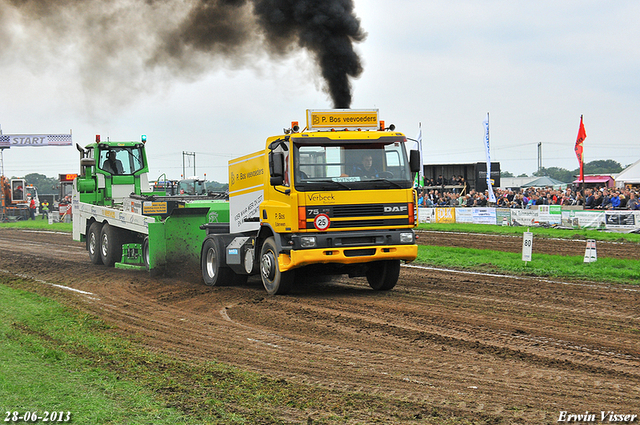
[330,181]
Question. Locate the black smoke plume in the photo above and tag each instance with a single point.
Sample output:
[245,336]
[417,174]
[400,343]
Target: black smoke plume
[133,41]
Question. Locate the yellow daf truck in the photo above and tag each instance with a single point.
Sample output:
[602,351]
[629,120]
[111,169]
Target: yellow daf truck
[334,198]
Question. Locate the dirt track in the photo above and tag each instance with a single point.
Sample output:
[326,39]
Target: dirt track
[490,348]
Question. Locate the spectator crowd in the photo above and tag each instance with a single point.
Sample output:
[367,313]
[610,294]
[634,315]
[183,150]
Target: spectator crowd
[591,199]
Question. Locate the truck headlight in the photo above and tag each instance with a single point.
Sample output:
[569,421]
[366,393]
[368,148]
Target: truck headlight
[406,237]
[308,241]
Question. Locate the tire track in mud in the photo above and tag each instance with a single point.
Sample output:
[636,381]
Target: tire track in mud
[509,349]
[502,343]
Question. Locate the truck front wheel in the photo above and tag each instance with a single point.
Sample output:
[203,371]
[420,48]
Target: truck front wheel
[110,245]
[383,275]
[274,281]
[213,273]
[93,242]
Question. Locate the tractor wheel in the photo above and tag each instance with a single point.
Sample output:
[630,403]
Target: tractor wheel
[274,281]
[93,242]
[383,275]
[110,245]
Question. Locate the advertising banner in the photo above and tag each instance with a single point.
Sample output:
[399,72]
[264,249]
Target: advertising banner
[620,220]
[614,220]
[426,215]
[503,216]
[586,219]
[464,215]
[551,214]
[524,217]
[445,215]
[484,215]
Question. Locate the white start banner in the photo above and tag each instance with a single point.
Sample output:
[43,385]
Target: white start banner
[15,140]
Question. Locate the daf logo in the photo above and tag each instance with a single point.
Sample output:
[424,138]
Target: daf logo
[397,209]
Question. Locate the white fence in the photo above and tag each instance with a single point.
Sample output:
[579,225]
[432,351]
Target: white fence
[619,220]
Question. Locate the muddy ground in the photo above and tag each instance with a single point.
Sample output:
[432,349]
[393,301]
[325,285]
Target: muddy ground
[483,347]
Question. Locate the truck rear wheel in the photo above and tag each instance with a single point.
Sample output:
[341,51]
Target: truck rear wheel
[93,242]
[110,245]
[383,275]
[274,281]
[213,273]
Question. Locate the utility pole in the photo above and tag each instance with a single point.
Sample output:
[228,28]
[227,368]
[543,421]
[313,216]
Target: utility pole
[188,154]
[539,156]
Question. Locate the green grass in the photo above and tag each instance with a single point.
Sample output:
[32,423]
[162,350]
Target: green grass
[55,358]
[40,370]
[38,224]
[537,231]
[572,267]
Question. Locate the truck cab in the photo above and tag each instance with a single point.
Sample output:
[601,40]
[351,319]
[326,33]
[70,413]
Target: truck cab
[336,198]
[112,171]
[192,186]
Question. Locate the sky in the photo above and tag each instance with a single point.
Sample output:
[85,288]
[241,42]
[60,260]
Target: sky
[535,67]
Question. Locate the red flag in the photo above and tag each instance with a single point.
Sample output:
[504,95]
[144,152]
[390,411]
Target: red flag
[581,136]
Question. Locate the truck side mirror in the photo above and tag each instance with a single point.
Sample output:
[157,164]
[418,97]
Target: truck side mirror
[414,161]
[276,168]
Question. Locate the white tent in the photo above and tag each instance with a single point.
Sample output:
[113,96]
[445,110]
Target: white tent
[630,175]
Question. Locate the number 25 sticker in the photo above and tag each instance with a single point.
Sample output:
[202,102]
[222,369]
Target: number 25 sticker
[322,222]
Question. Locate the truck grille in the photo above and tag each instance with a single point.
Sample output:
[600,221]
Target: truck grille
[370,215]
[357,210]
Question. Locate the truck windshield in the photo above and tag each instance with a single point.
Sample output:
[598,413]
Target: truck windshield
[327,164]
[121,160]
[192,187]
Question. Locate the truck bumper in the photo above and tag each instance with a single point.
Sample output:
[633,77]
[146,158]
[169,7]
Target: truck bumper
[364,254]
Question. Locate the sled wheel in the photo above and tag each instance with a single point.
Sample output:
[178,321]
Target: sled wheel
[145,252]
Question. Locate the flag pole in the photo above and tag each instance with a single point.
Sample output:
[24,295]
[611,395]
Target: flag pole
[579,148]
[421,174]
[582,159]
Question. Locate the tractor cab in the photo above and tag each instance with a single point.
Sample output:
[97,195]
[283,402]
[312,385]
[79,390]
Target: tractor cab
[112,171]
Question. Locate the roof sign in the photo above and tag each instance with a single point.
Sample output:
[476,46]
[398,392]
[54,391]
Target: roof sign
[318,119]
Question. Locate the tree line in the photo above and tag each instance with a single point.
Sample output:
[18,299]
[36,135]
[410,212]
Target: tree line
[51,185]
[604,167]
